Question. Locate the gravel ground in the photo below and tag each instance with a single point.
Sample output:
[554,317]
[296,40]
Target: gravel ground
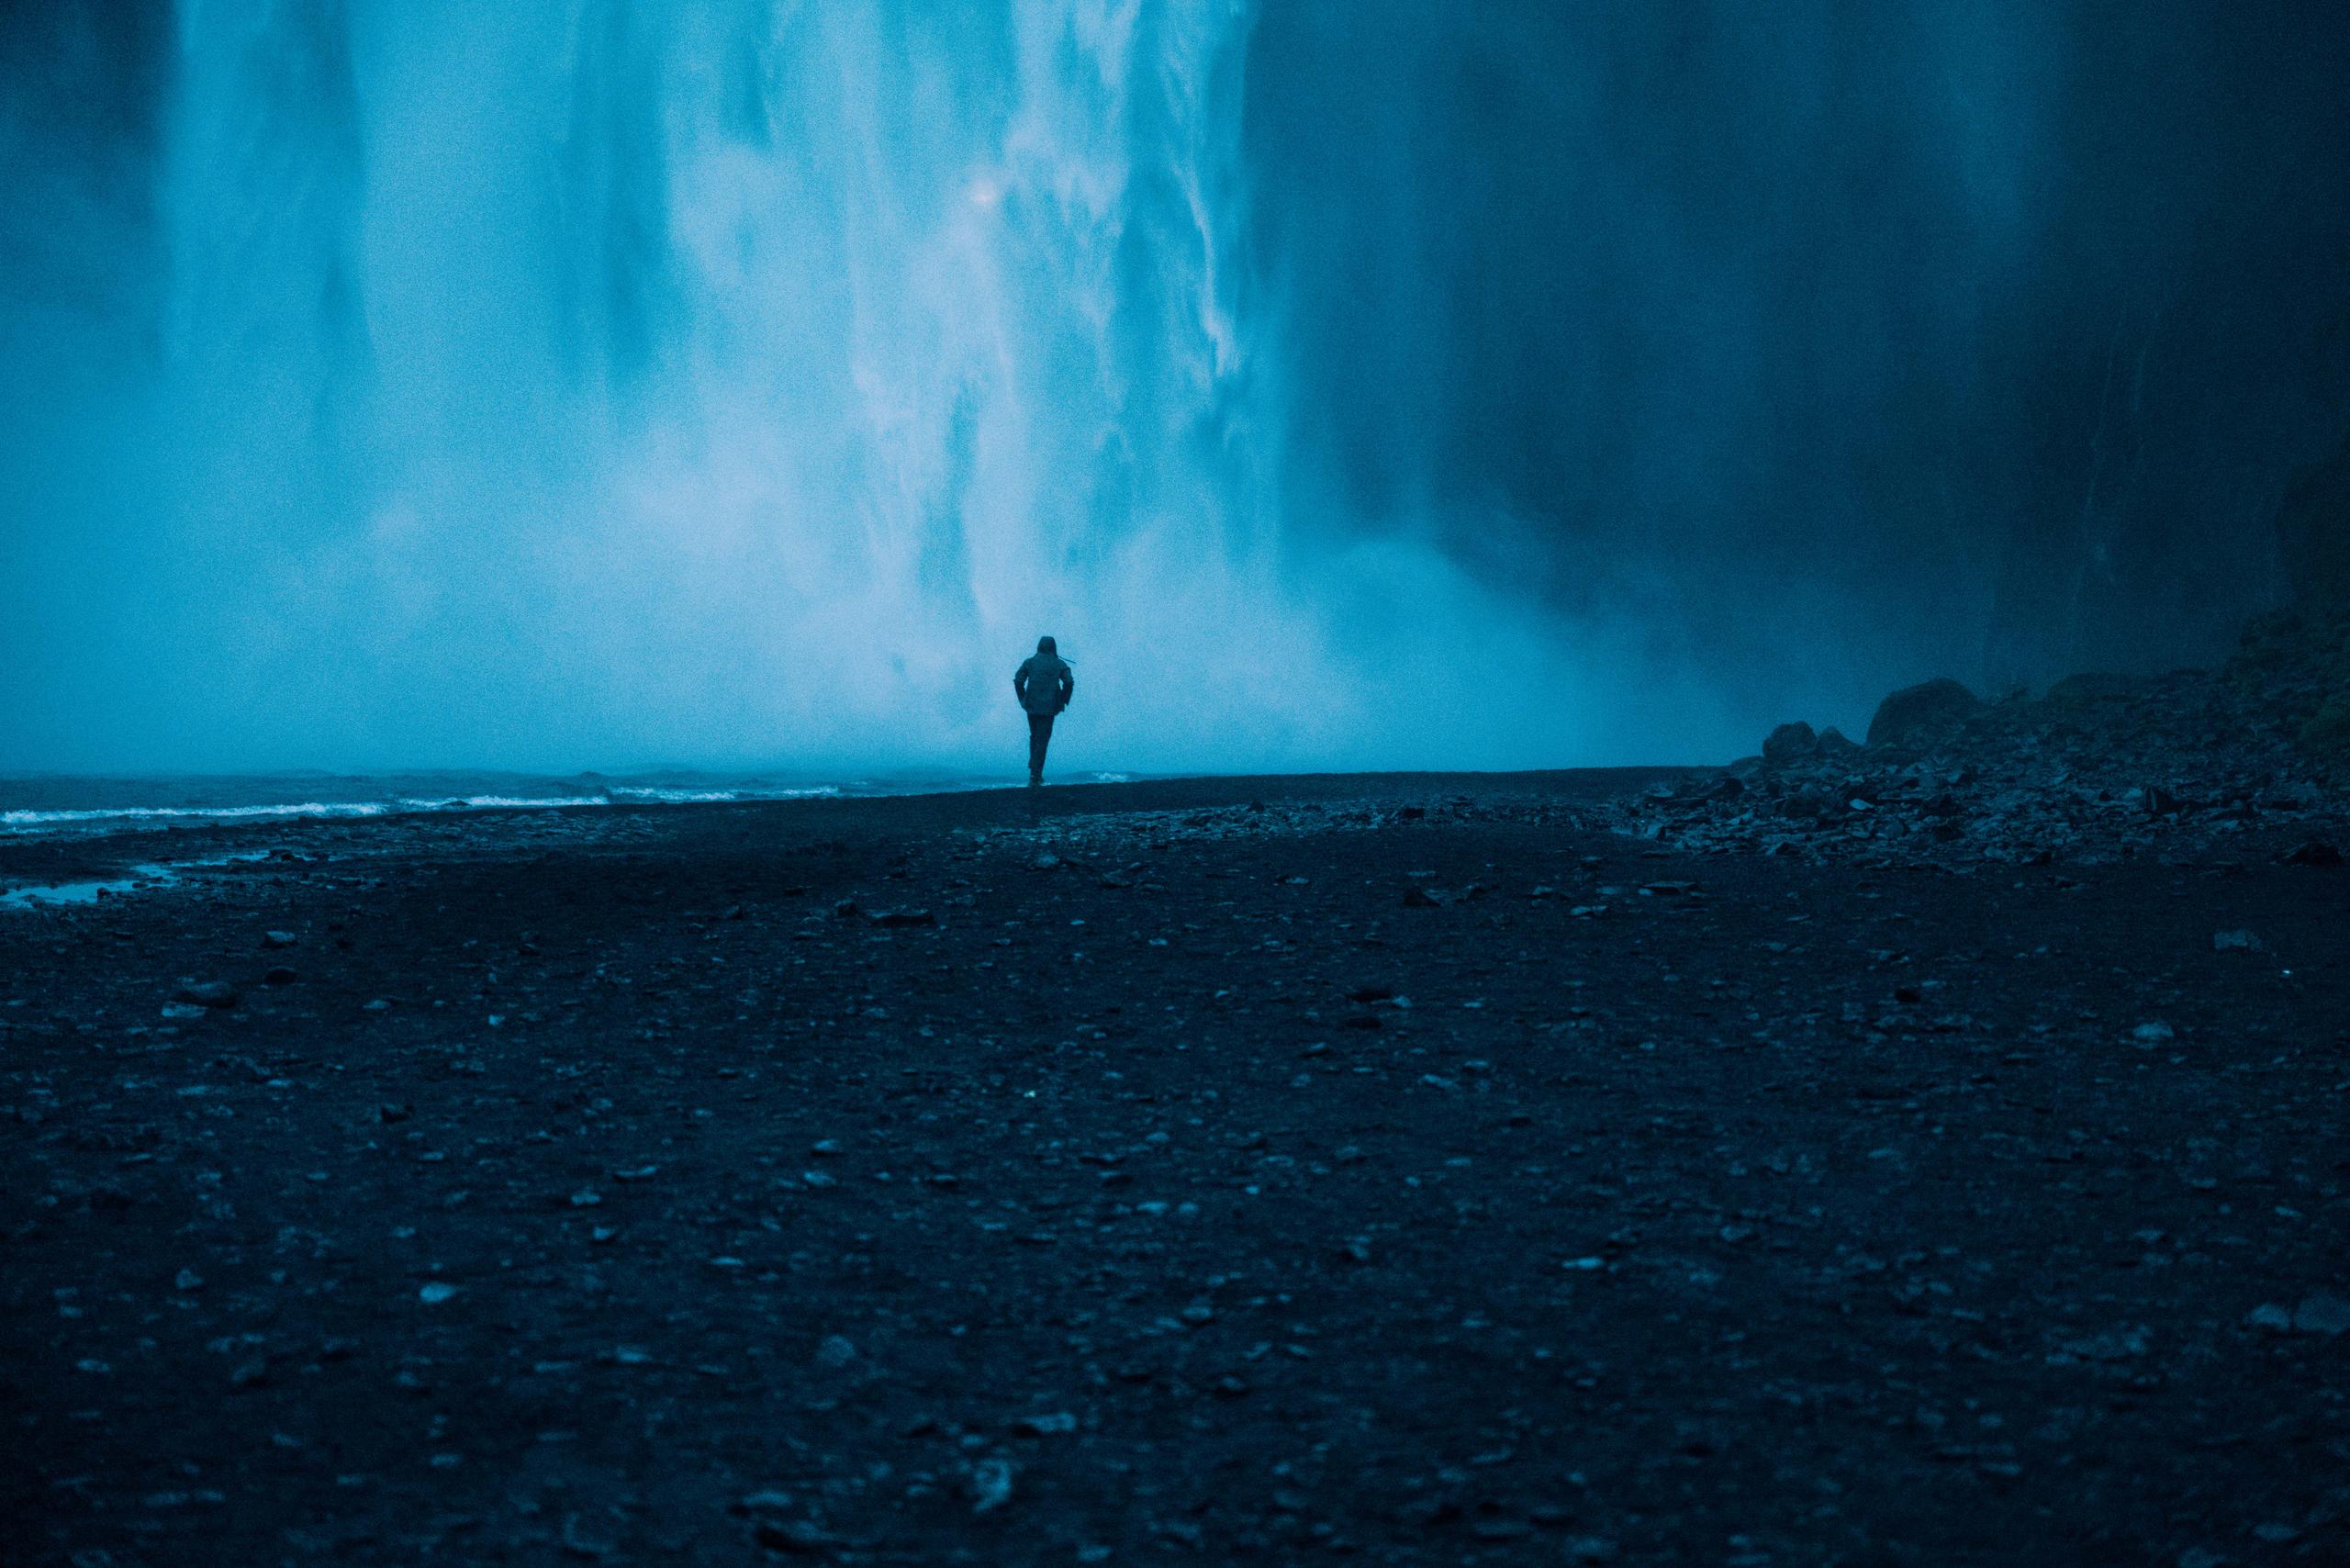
[1407,1168]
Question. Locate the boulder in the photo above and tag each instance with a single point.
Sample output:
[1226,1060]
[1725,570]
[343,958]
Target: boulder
[1915,710]
[1790,742]
[1834,741]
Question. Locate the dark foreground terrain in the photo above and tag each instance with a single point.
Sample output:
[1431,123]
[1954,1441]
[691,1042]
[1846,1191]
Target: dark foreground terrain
[1410,1170]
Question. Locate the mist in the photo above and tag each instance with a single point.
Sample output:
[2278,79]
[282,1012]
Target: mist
[567,384]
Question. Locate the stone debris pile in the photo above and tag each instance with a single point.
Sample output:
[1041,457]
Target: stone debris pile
[2102,767]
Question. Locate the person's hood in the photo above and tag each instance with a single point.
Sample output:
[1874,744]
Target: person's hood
[1044,646]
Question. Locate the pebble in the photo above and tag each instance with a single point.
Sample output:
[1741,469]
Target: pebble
[1045,1426]
[2322,1312]
[990,1485]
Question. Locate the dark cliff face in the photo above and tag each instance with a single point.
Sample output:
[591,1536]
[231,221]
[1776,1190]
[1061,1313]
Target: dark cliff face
[2305,651]
[1977,338]
[2314,532]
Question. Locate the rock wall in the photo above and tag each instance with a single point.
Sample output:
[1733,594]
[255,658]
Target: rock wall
[2314,531]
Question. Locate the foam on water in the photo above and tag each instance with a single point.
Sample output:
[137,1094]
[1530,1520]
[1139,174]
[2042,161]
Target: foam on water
[247,800]
[35,822]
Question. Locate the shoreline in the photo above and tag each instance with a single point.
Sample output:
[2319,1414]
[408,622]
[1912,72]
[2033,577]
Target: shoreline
[34,859]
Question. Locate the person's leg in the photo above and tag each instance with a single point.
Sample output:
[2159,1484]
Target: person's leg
[1039,736]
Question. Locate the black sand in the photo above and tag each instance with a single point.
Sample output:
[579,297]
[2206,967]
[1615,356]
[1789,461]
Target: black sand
[1170,1177]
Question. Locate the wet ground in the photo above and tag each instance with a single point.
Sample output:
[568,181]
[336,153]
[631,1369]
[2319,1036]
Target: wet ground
[1404,1170]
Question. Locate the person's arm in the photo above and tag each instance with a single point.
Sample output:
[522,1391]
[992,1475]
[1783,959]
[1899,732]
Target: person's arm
[1068,685]
[1020,684]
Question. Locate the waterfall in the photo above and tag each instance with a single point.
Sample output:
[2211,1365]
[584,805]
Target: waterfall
[800,362]
[572,382]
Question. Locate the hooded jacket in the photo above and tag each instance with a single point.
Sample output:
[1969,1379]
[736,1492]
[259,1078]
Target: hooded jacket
[1043,682]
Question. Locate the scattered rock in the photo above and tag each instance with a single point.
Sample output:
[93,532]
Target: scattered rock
[2235,941]
[280,975]
[208,993]
[2113,1345]
[277,939]
[2319,1312]
[2313,852]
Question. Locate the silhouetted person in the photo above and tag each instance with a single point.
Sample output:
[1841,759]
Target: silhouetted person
[1044,686]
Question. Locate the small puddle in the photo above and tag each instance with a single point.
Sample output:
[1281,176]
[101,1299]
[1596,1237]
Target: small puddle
[133,881]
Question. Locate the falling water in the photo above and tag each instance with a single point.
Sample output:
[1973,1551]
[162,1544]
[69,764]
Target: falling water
[744,385]
[572,382]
